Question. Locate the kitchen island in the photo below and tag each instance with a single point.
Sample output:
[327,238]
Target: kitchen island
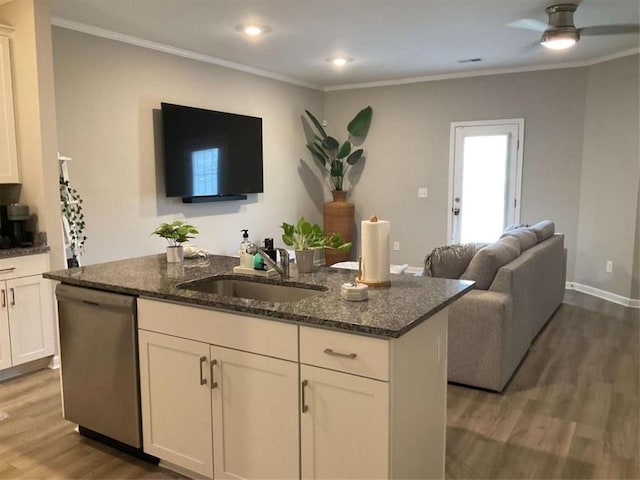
[312,388]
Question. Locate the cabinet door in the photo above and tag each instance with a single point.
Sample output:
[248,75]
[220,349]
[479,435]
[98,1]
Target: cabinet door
[344,425]
[9,172]
[5,342]
[176,401]
[30,318]
[255,415]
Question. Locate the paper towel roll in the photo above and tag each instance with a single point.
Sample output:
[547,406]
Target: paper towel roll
[375,251]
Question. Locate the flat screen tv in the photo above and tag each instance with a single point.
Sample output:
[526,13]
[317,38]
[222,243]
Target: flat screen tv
[209,155]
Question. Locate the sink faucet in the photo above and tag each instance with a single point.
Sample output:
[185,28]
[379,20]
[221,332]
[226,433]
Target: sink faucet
[282,268]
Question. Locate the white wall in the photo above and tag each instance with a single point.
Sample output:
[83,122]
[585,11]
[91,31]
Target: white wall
[610,172]
[106,94]
[408,147]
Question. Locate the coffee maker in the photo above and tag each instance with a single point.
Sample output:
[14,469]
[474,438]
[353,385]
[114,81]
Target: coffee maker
[13,226]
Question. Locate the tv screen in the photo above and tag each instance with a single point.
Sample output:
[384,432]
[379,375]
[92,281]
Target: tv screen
[211,155]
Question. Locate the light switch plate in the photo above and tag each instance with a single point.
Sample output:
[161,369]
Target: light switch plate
[423,192]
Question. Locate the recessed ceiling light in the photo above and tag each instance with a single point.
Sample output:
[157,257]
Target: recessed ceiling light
[253,30]
[340,61]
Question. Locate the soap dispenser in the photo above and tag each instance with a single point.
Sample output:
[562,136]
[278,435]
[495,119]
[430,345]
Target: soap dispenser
[246,259]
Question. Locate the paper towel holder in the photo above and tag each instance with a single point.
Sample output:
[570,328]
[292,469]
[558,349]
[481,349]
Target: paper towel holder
[359,279]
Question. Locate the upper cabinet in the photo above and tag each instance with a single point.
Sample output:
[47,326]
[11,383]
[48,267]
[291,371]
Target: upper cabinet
[9,170]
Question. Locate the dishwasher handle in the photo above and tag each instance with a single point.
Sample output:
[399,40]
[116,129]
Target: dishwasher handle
[95,298]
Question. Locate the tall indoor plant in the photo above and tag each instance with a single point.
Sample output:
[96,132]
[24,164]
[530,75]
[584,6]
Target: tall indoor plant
[337,158]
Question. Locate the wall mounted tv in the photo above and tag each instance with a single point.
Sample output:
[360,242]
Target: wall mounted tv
[211,156]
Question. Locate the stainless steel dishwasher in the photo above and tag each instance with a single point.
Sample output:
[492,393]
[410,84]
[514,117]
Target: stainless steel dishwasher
[99,357]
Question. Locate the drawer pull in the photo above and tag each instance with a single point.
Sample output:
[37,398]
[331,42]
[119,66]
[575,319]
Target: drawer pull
[7,270]
[213,384]
[305,407]
[4,298]
[203,381]
[329,351]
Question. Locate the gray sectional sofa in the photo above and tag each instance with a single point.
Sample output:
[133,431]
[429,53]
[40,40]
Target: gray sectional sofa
[520,282]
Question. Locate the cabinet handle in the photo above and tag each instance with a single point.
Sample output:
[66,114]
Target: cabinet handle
[4,298]
[329,351]
[203,381]
[13,296]
[7,270]
[305,407]
[213,384]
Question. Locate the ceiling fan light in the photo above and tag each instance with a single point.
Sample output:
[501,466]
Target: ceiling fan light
[559,38]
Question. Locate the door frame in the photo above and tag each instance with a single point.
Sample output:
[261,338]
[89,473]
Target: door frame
[519,163]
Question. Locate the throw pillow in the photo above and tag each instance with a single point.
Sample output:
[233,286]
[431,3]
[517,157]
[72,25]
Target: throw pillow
[526,237]
[543,229]
[485,264]
[449,261]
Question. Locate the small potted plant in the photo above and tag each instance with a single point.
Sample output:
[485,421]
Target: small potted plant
[305,239]
[176,234]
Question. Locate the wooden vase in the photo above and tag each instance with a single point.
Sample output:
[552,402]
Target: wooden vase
[338,217]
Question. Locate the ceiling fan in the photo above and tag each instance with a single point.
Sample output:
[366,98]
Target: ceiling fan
[560,31]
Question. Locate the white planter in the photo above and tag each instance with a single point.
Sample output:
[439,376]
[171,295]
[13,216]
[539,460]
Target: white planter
[304,260]
[175,254]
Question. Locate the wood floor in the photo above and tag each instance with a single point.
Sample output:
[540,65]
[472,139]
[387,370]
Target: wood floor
[571,411]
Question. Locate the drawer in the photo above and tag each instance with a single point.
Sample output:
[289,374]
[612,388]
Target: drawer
[345,352]
[16,267]
[241,332]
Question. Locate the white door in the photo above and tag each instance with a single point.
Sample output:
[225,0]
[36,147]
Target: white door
[30,318]
[486,179]
[5,342]
[255,416]
[176,401]
[9,172]
[344,425]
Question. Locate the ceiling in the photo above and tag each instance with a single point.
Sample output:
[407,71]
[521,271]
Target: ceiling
[388,40]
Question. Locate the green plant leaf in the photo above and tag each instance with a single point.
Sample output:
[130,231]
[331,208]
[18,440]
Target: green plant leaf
[316,154]
[330,143]
[336,169]
[309,133]
[359,126]
[317,124]
[345,150]
[355,156]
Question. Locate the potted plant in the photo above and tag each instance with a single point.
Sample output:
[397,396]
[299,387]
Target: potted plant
[176,234]
[73,218]
[337,158]
[306,238]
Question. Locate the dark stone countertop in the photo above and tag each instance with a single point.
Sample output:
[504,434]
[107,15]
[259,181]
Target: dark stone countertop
[39,246]
[389,312]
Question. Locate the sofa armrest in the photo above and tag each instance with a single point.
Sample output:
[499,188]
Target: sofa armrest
[478,335]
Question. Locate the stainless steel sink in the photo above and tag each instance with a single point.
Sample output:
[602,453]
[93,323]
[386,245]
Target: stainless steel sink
[240,288]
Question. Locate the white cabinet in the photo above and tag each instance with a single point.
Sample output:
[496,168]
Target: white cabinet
[176,413]
[286,401]
[9,171]
[344,425]
[26,311]
[216,411]
[255,416]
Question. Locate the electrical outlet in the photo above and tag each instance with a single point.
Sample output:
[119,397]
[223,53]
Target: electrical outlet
[609,266]
[396,246]
[423,192]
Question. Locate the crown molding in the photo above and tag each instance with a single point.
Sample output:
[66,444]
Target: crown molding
[200,57]
[180,52]
[484,73]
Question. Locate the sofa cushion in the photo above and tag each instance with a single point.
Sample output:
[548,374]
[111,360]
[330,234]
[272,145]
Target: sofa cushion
[450,261]
[485,264]
[543,229]
[526,237]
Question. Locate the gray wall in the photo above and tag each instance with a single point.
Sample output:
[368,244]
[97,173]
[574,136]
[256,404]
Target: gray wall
[408,147]
[609,184]
[106,93]
[635,279]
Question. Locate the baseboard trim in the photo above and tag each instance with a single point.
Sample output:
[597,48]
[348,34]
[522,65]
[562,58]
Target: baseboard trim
[55,362]
[611,297]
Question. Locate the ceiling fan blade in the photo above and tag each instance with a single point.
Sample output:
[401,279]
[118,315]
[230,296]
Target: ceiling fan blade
[610,29]
[529,24]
